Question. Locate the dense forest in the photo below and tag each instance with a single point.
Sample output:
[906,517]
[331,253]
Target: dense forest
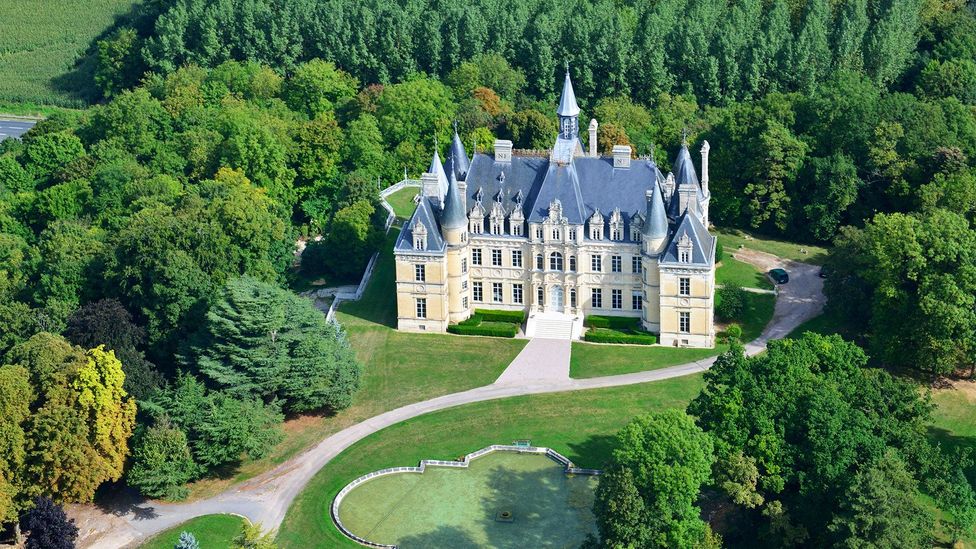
[144,241]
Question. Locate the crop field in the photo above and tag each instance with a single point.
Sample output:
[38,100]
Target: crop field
[43,45]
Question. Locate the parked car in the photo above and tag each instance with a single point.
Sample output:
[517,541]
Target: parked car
[780,276]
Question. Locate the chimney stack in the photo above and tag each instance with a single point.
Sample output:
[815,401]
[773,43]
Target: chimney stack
[704,177]
[503,150]
[592,141]
[431,186]
[621,156]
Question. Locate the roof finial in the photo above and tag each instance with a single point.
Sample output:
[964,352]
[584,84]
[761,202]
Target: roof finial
[567,66]
[436,144]
[684,136]
[455,125]
[652,153]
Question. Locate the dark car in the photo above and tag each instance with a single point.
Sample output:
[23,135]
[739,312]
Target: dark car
[780,276]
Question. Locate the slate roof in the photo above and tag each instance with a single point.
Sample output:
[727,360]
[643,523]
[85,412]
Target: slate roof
[460,157]
[583,186]
[437,168]
[567,102]
[453,216]
[423,215]
[703,244]
[656,225]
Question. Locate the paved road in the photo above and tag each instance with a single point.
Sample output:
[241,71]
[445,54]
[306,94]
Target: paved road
[266,498]
[15,128]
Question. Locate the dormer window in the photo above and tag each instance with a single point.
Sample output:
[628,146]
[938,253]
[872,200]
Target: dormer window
[636,223]
[616,225]
[684,249]
[476,219]
[516,221]
[497,219]
[596,226]
[419,237]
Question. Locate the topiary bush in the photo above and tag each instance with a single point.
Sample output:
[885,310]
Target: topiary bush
[490,315]
[492,329]
[601,335]
[612,322]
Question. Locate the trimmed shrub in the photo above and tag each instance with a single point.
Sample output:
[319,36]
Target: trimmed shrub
[489,315]
[612,322]
[719,251]
[597,335]
[492,329]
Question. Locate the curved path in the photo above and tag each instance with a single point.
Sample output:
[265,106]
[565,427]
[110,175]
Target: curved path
[266,498]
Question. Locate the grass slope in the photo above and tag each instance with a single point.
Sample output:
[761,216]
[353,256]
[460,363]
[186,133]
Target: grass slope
[43,45]
[399,368]
[211,531]
[733,271]
[731,239]
[552,420]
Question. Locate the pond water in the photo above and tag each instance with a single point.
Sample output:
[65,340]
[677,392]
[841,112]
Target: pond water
[448,507]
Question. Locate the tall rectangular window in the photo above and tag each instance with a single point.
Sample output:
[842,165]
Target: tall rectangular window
[496,292]
[464,264]
[517,293]
[464,302]
[635,264]
[617,299]
[496,258]
[476,291]
[421,307]
[476,256]
[684,286]
[637,301]
[516,258]
[572,235]
[464,284]
[556,234]
[572,263]
[541,295]
[596,263]
[596,298]
[684,322]
[420,273]
[538,233]
[615,263]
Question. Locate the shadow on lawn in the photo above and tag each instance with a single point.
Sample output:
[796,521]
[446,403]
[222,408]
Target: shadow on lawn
[594,452]
[961,449]
[446,537]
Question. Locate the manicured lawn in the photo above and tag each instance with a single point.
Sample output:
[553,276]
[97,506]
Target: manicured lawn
[578,424]
[954,426]
[733,271]
[402,201]
[595,360]
[211,531]
[399,368]
[731,239]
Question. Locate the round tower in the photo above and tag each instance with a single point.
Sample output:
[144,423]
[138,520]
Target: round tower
[454,229]
[654,234]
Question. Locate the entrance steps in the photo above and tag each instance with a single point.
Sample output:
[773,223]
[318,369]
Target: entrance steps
[553,326]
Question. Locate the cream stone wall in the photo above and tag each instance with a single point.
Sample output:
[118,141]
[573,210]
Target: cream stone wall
[658,285]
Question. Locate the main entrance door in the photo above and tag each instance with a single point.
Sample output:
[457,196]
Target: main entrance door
[556,299]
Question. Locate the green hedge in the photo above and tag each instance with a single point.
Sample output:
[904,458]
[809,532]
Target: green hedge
[492,315]
[494,329]
[616,336]
[472,320]
[612,322]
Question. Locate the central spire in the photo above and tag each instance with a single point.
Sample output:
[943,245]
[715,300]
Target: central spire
[568,111]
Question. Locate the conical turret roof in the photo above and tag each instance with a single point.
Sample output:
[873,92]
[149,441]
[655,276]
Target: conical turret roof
[453,216]
[437,168]
[684,168]
[460,157]
[656,222]
[567,103]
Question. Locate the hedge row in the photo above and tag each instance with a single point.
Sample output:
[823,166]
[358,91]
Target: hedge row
[611,322]
[614,336]
[500,329]
[492,315]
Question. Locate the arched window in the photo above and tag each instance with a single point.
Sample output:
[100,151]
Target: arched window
[572,263]
[555,261]
[538,262]
[572,297]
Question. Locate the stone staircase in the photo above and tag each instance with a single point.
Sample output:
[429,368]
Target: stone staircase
[550,328]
